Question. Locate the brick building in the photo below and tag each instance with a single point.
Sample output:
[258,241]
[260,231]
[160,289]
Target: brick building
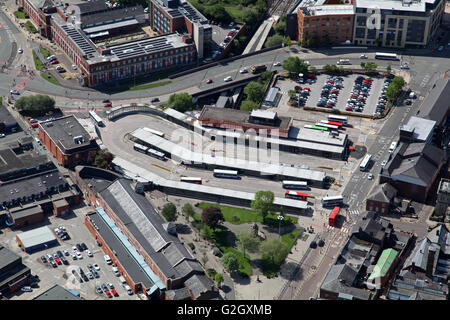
[381,199]
[68,141]
[40,13]
[13,273]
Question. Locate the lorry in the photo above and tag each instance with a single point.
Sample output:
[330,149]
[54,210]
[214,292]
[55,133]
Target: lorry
[257,69]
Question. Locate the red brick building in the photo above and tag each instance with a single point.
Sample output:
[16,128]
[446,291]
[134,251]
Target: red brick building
[40,13]
[68,141]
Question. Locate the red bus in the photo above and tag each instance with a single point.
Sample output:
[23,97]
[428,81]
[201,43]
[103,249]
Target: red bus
[333,123]
[333,216]
[296,195]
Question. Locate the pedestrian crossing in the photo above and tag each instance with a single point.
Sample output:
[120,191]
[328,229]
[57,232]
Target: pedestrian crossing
[354,212]
[341,230]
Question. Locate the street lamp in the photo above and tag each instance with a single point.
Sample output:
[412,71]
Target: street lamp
[280,218]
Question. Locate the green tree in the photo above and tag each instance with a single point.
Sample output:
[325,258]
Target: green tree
[254,91]
[247,241]
[299,43]
[294,65]
[370,66]
[217,13]
[36,105]
[388,69]
[265,77]
[287,41]
[394,89]
[188,210]
[212,217]
[250,16]
[181,101]
[218,277]
[248,105]
[230,262]
[263,202]
[273,41]
[309,42]
[274,250]
[280,28]
[103,159]
[169,211]
[207,232]
[363,65]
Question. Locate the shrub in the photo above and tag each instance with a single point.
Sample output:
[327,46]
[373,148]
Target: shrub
[191,245]
[211,272]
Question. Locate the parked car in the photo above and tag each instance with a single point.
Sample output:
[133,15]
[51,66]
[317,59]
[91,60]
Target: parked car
[53,263]
[441,48]
[107,105]
[79,247]
[383,163]
[370,176]
[321,243]
[54,61]
[363,56]
[96,267]
[154,100]
[66,253]
[20,51]
[44,259]
[27,289]
[79,256]
[89,253]
[404,66]
[243,70]
[98,289]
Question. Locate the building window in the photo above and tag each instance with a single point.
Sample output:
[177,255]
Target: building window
[361,21]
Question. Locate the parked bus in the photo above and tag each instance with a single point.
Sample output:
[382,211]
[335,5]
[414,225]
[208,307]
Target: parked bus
[296,195]
[191,180]
[299,185]
[333,216]
[158,133]
[316,127]
[341,119]
[231,174]
[140,148]
[332,201]
[344,61]
[94,116]
[334,123]
[326,125]
[386,56]
[392,146]
[156,154]
[365,162]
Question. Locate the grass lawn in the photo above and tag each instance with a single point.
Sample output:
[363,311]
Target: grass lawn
[235,13]
[37,63]
[45,52]
[30,27]
[50,78]
[19,15]
[150,85]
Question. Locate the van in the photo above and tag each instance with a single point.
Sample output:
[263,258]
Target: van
[412,95]
[343,61]
[115,271]
[122,280]
[107,259]
[128,289]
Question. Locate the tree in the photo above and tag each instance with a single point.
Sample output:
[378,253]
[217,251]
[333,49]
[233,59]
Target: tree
[265,77]
[181,101]
[273,250]
[308,42]
[218,13]
[248,241]
[248,105]
[207,232]
[188,210]
[169,211]
[250,16]
[388,69]
[230,262]
[263,202]
[254,91]
[103,159]
[363,65]
[394,89]
[273,41]
[280,28]
[36,105]
[299,43]
[287,41]
[218,277]
[212,217]
[369,66]
[295,65]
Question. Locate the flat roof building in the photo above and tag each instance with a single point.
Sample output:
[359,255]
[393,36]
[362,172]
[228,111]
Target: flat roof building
[36,239]
[417,130]
[57,293]
[13,273]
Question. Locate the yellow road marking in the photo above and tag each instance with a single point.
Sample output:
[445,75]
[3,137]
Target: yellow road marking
[161,167]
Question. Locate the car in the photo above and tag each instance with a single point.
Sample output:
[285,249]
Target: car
[243,70]
[348,108]
[383,163]
[53,263]
[58,261]
[89,253]
[26,289]
[363,56]
[59,253]
[297,88]
[226,40]
[107,105]
[51,58]
[106,101]
[321,243]
[108,294]
[54,61]
[64,260]
[209,81]
[313,244]
[110,285]
[154,100]
[277,64]
[83,246]
[14,91]
[404,66]
[79,247]
[231,25]
[66,253]
[329,105]
[441,48]
[79,256]
[90,275]
[2,135]
[370,176]
[231,33]
[96,267]
[227,79]
[104,287]
[44,259]
[95,273]
[74,67]
[20,51]
[114,292]
[98,289]
[408,102]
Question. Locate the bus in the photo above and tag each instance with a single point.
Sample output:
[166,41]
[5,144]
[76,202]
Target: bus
[343,61]
[94,116]
[333,216]
[296,195]
[341,119]
[140,148]
[332,201]
[191,180]
[386,56]
[365,162]
[156,154]
[334,123]
[158,133]
[392,146]
[326,125]
[316,127]
[231,174]
[299,185]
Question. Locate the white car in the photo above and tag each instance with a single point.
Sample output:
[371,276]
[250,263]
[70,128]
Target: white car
[227,79]
[2,135]
[14,91]
[277,64]
[243,70]
[79,256]
[66,253]
[404,66]
[96,267]
[74,257]
[363,56]
[90,275]
[370,176]
[74,249]
[74,67]
[20,50]
[89,253]
[441,48]
[383,163]
[307,63]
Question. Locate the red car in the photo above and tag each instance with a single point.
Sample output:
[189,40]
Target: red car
[114,292]
[298,88]
[330,81]
[107,105]
[348,108]
[54,61]
[231,33]
[58,261]
[329,105]
[108,294]
[209,81]
[335,91]
[34,125]
[354,96]
[307,89]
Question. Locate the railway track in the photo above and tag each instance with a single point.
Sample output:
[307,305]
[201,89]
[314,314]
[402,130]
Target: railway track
[281,7]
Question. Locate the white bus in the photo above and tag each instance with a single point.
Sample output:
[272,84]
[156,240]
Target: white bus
[94,116]
[232,174]
[392,146]
[332,201]
[156,154]
[326,125]
[343,61]
[140,148]
[386,56]
[336,118]
[299,185]
[156,132]
[191,180]
[365,162]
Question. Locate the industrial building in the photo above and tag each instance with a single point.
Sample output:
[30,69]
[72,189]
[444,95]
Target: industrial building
[417,130]
[13,273]
[68,141]
[36,239]
[58,293]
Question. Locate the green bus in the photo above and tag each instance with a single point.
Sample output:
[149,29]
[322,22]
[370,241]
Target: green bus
[319,128]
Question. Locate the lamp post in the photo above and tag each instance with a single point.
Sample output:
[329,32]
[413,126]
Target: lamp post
[280,218]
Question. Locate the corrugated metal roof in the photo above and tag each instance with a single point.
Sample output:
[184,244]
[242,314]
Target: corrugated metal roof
[36,236]
[384,263]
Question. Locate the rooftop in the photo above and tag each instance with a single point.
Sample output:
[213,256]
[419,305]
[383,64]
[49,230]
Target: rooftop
[6,117]
[57,293]
[435,106]
[384,263]
[10,161]
[26,212]
[318,137]
[327,10]
[444,186]
[264,114]
[36,236]
[397,5]
[422,128]
[7,257]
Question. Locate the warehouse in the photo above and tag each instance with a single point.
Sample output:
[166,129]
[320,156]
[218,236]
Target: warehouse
[23,217]
[13,273]
[36,239]
[58,293]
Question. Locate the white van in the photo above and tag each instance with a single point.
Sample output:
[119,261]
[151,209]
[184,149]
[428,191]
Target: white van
[412,95]
[128,289]
[107,259]
[115,271]
[122,280]
[343,61]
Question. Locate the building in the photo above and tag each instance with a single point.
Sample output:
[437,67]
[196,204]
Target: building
[381,199]
[383,269]
[26,216]
[7,122]
[257,121]
[68,141]
[36,239]
[435,106]
[272,97]
[413,169]
[442,208]
[58,293]
[40,14]
[417,130]
[396,23]
[372,229]
[13,273]
[324,24]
